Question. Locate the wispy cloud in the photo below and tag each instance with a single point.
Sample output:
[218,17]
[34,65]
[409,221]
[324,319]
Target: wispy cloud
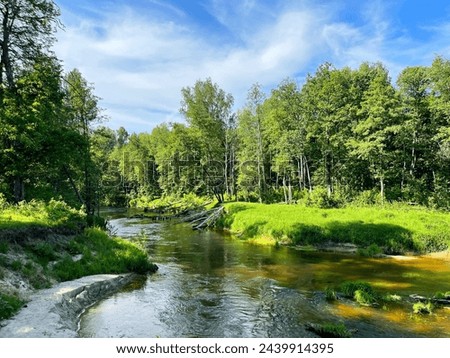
[140,60]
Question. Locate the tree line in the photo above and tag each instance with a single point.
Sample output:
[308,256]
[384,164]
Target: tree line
[345,134]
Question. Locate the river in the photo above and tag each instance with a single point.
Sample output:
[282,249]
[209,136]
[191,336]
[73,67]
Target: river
[214,285]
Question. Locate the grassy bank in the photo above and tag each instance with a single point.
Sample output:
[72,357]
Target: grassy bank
[394,228]
[37,213]
[38,261]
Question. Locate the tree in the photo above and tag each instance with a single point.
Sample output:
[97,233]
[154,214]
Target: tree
[416,134]
[83,111]
[26,32]
[286,134]
[377,127]
[325,101]
[207,109]
[32,123]
[252,145]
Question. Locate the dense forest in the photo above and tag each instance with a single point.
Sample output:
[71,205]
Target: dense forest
[342,135]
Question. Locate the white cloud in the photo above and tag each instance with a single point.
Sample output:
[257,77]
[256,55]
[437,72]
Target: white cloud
[139,62]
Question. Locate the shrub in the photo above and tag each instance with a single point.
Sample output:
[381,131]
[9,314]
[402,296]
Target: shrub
[367,198]
[319,198]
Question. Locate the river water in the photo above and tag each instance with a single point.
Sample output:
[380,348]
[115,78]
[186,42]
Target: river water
[213,285]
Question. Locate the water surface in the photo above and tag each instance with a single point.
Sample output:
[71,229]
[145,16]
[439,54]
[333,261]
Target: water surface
[213,285]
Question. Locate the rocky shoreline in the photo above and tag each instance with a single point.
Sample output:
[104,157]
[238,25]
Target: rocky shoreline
[55,312]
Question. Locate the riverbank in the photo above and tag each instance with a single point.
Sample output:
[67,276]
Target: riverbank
[42,245]
[55,312]
[389,229]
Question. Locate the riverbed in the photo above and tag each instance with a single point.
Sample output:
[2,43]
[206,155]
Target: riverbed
[214,285]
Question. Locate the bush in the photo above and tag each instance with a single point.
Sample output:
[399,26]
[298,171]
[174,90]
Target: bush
[392,298]
[319,198]
[367,198]
[3,203]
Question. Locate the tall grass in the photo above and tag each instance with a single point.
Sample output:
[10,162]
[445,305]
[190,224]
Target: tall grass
[38,213]
[395,228]
[101,254]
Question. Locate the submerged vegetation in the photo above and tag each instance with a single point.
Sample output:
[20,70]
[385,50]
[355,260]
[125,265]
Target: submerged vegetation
[330,330]
[423,308]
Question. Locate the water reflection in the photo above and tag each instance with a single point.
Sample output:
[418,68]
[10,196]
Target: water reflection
[209,285]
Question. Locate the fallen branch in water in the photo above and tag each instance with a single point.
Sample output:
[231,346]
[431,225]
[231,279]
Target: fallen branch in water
[204,219]
[442,301]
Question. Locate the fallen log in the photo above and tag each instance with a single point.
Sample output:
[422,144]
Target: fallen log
[208,219]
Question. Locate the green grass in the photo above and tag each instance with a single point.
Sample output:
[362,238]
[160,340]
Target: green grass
[37,213]
[101,254]
[394,228]
[9,305]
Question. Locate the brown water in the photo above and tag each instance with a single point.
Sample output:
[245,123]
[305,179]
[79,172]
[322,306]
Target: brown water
[212,285]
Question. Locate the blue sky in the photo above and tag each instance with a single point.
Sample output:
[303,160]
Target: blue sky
[139,54]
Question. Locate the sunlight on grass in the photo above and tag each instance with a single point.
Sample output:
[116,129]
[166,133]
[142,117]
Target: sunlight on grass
[395,229]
